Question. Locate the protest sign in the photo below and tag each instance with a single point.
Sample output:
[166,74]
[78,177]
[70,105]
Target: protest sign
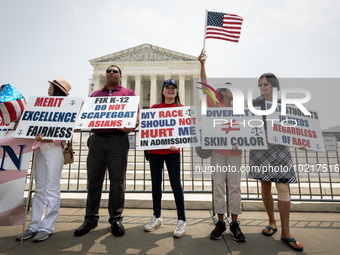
[294,128]
[53,117]
[163,127]
[108,112]
[222,130]
[15,155]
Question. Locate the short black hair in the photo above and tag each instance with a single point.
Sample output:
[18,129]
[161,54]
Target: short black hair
[120,71]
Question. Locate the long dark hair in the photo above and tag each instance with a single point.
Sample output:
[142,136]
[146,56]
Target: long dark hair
[57,92]
[177,100]
[272,79]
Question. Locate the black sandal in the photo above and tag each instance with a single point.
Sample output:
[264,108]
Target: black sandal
[292,240]
[269,228]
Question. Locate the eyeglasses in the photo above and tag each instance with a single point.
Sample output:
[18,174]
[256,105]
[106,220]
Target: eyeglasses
[264,84]
[114,71]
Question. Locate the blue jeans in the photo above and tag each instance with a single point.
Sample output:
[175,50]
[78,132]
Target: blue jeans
[173,163]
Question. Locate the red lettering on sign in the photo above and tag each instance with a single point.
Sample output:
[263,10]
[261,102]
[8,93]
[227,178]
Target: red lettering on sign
[116,107]
[48,102]
[170,114]
[301,142]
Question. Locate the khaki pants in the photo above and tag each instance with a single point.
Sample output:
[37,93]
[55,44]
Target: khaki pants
[222,163]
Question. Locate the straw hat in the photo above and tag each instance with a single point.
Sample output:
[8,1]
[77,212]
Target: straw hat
[63,84]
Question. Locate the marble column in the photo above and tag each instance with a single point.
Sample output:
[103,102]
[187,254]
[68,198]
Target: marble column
[96,82]
[124,81]
[166,76]
[153,89]
[181,88]
[138,89]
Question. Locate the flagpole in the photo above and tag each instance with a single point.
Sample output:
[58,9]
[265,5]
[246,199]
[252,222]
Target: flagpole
[28,196]
[205,29]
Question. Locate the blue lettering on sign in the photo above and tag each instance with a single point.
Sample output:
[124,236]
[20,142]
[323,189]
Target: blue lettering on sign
[146,115]
[50,116]
[183,131]
[158,123]
[186,131]
[16,160]
[106,115]
[192,131]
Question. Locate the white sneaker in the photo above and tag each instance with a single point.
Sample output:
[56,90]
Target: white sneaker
[180,229]
[154,224]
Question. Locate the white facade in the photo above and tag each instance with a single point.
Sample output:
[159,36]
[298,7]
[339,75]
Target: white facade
[144,68]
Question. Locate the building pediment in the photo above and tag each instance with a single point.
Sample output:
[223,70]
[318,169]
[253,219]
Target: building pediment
[144,52]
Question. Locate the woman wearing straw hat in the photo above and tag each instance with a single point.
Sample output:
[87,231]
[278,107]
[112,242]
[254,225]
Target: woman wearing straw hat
[48,166]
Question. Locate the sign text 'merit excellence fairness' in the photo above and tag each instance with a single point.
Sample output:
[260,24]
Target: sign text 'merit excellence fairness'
[162,127]
[53,117]
[222,129]
[108,112]
[295,129]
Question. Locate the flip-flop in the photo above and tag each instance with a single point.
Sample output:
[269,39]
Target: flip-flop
[292,240]
[269,228]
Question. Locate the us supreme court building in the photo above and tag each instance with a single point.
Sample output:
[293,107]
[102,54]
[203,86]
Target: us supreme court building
[144,68]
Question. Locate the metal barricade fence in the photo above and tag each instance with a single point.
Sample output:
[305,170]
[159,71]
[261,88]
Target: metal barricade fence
[318,177]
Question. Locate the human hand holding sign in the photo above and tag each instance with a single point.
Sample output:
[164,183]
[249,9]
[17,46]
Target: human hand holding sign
[303,148]
[128,130]
[39,138]
[173,148]
[235,149]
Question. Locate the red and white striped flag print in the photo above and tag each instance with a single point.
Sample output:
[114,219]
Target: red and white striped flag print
[223,26]
[12,103]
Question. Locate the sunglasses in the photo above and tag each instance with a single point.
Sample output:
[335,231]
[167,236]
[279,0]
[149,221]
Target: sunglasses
[114,71]
[265,84]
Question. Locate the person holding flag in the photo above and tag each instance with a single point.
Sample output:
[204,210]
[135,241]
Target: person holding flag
[221,158]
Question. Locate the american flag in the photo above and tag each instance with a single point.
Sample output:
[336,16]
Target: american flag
[223,26]
[12,104]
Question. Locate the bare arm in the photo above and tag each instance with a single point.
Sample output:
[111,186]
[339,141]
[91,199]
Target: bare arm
[202,58]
